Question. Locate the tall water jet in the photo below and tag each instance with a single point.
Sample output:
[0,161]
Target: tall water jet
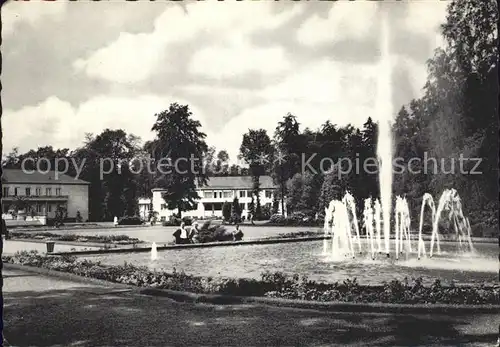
[350,204]
[378,224]
[384,141]
[154,251]
[427,200]
[326,226]
[368,222]
[342,244]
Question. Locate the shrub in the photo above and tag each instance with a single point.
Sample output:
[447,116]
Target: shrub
[117,239]
[226,211]
[277,219]
[175,221]
[130,220]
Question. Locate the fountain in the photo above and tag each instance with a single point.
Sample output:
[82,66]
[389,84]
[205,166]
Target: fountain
[154,252]
[345,230]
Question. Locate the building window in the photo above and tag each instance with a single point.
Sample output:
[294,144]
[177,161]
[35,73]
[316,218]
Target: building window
[249,193]
[16,191]
[242,207]
[227,194]
[242,193]
[269,194]
[28,191]
[49,208]
[48,192]
[217,206]
[58,191]
[38,208]
[208,194]
[5,191]
[38,191]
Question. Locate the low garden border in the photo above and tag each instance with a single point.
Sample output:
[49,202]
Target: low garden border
[276,289]
[195,245]
[219,299]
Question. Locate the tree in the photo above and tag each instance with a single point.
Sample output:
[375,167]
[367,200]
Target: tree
[457,115]
[294,189]
[236,211]
[256,150]
[226,211]
[251,208]
[287,146]
[222,163]
[106,165]
[333,188]
[21,203]
[209,160]
[182,145]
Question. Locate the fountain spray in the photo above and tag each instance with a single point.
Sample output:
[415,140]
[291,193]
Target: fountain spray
[384,141]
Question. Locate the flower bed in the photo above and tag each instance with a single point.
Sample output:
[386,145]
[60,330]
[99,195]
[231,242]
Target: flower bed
[299,234]
[276,285]
[114,239]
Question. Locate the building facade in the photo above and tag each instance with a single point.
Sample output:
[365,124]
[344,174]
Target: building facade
[218,191]
[43,193]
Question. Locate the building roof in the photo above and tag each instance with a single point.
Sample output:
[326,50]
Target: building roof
[37,177]
[235,182]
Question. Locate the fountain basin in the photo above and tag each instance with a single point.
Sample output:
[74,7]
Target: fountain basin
[306,258]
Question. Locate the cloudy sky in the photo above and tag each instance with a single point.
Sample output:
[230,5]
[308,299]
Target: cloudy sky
[72,68]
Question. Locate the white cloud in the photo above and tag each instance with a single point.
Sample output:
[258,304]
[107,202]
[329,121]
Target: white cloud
[238,58]
[345,20]
[340,93]
[129,59]
[426,17]
[135,57]
[33,12]
[61,125]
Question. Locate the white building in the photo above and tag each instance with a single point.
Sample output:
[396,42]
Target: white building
[217,191]
[43,193]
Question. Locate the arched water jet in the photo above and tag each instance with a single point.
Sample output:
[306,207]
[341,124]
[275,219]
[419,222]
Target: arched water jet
[402,227]
[342,245]
[450,201]
[427,200]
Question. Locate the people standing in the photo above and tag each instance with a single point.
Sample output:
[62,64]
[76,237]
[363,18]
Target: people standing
[195,233]
[184,234]
[237,233]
